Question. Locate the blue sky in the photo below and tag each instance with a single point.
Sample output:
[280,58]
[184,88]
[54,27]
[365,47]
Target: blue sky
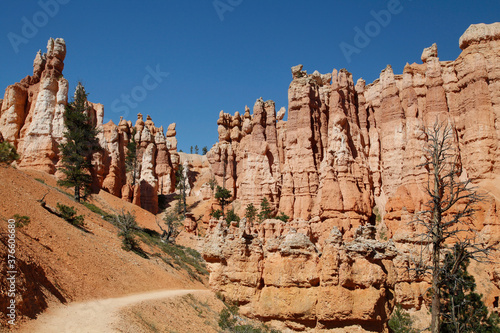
[223,54]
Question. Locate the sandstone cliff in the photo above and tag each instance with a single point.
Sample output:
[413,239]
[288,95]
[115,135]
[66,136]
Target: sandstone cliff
[31,118]
[347,153]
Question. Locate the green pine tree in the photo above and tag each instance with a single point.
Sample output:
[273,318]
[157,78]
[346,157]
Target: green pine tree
[462,310]
[223,195]
[266,211]
[79,145]
[251,213]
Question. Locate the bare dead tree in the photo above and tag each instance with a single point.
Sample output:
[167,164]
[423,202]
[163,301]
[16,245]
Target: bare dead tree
[172,223]
[447,221]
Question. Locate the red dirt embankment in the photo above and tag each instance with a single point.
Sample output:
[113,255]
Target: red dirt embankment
[59,263]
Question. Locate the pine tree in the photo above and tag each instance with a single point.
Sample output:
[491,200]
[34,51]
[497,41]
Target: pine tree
[251,213]
[223,195]
[204,150]
[462,310]
[79,145]
[266,212]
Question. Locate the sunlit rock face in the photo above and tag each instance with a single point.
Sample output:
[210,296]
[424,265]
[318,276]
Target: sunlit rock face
[32,118]
[348,156]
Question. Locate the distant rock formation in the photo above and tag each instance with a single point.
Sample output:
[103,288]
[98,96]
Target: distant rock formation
[346,160]
[347,147]
[31,118]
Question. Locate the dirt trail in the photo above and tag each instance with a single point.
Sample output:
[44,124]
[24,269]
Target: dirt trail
[96,316]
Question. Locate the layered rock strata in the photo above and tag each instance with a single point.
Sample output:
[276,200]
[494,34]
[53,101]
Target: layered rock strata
[31,118]
[349,156]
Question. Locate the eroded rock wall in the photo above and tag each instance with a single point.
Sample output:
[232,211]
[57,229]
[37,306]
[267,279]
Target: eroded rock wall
[31,118]
[346,158]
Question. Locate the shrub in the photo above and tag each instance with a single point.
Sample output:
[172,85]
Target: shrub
[283,217]
[21,221]
[216,214]
[401,321]
[69,214]
[231,216]
[128,226]
[8,153]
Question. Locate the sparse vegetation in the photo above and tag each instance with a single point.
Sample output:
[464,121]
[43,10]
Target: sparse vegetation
[229,321]
[378,217]
[266,212]
[105,215]
[204,150]
[283,217]
[40,180]
[173,221]
[21,220]
[400,321]
[69,215]
[216,214]
[128,226]
[251,213]
[8,153]
[232,216]
[179,256]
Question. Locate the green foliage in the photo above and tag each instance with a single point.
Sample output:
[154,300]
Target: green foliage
[216,214]
[223,195]
[196,149]
[228,322]
[40,180]
[231,216]
[400,321]
[8,153]
[204,150]
[21,220]
[283,217]
[127,225]
[105,215]
[266,212]
[462,310]
[79,145]
[69,215]
[173,221]
[178,256]
[251,213]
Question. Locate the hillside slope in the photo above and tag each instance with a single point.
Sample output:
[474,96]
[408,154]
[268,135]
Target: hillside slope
[59,263]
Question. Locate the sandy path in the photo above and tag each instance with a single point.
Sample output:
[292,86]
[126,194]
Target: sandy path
[92,316]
